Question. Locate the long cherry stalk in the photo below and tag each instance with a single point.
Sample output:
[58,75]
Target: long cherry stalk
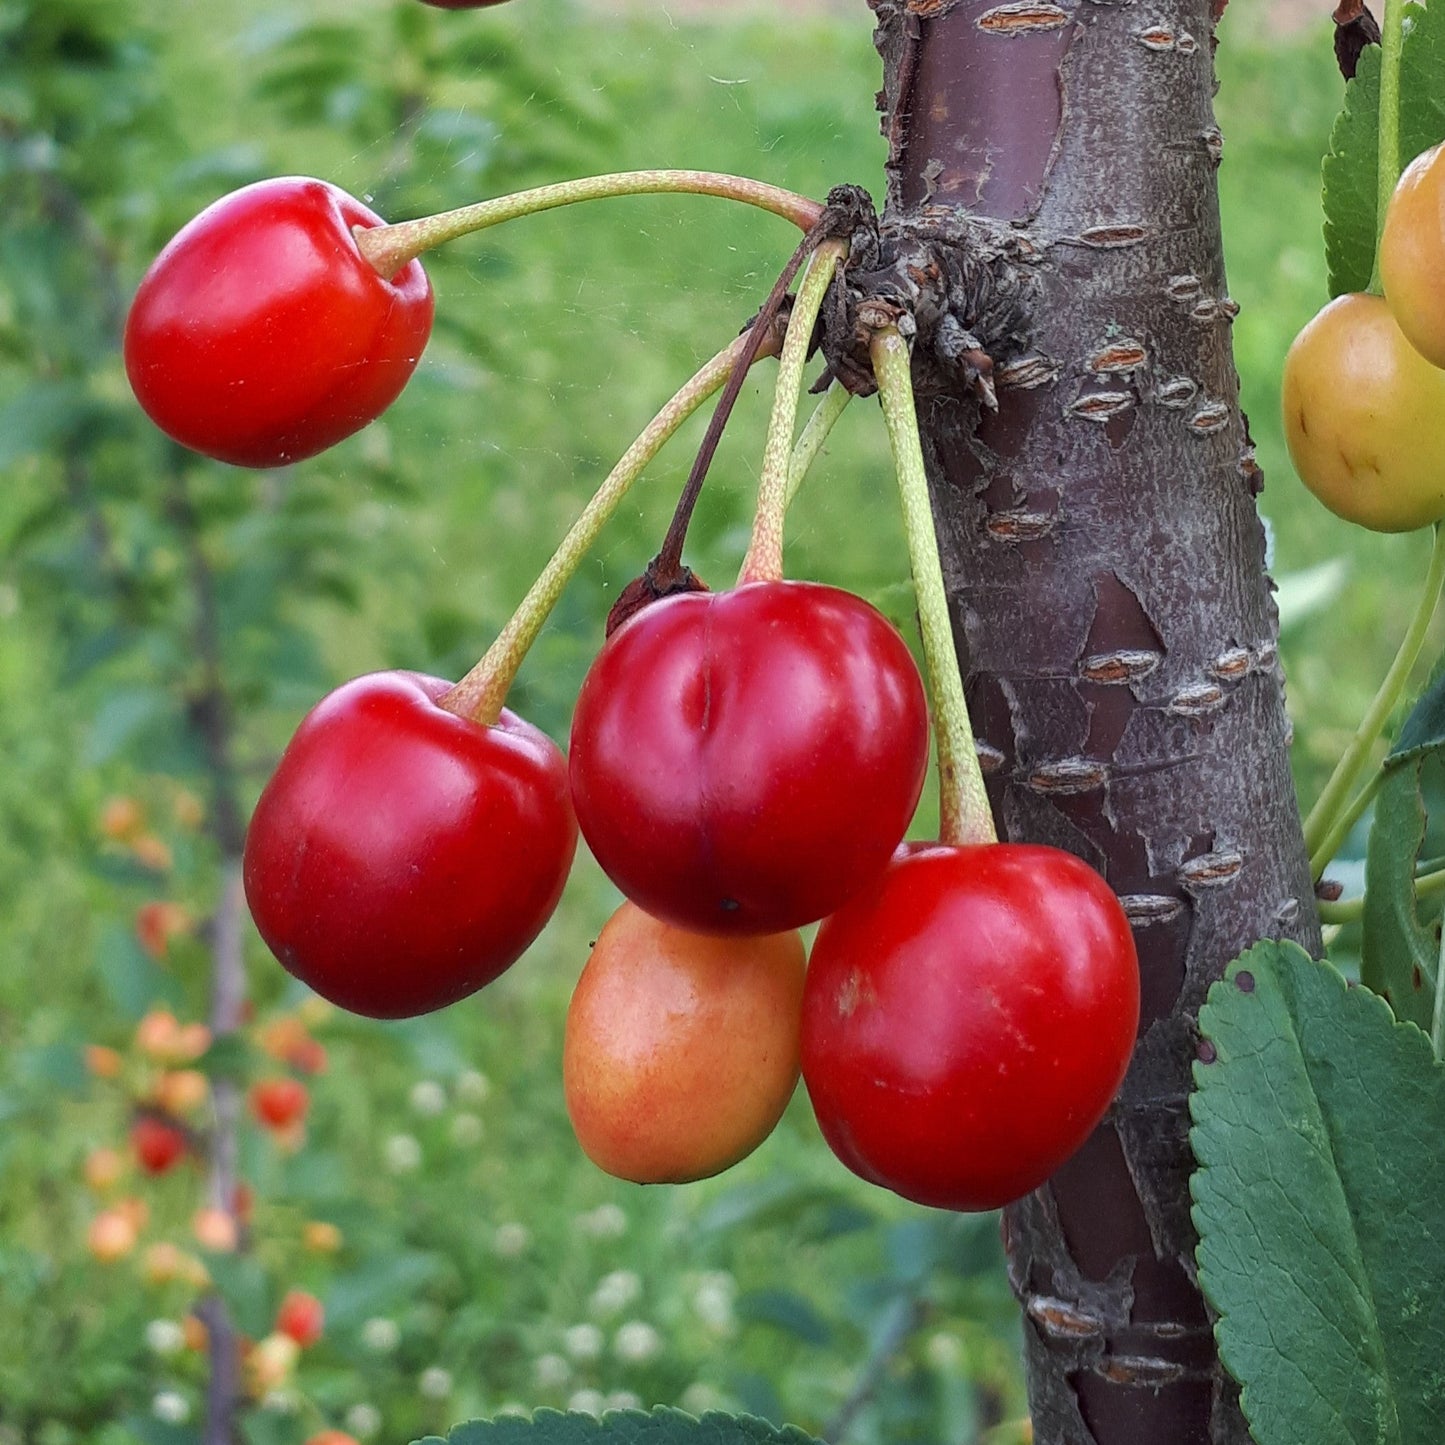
[1322,818]
[481,693]
[764,560]
[389,248]
[964,814]
[815,436]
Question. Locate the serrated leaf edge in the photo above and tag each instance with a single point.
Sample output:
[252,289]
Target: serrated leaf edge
[782,1434]
[1365,999]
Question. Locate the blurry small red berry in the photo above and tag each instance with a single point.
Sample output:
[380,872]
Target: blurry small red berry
[301,1316]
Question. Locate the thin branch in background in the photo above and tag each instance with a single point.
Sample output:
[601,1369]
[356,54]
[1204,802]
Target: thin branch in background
[211,715]
[910,1315]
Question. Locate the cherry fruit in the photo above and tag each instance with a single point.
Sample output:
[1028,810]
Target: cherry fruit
[401,856]
[742,762]
[967,1020]
[1412,254]
[261,334]
[681,1049]
[1364,416]
[158,1146]
[279,1103]
[301,1316]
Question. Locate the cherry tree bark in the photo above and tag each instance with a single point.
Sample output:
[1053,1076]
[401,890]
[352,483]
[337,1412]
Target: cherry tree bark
[1112,613]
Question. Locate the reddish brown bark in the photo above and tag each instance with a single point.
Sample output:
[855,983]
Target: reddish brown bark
[1106,567]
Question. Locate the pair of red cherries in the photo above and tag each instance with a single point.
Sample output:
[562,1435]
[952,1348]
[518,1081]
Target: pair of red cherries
[741,763]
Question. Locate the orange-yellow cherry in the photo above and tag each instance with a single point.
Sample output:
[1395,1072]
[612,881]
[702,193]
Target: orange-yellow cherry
[1364,416]
[1412,254]
[681,1049]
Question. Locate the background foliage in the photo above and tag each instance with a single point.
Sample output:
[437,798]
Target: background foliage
[164,622]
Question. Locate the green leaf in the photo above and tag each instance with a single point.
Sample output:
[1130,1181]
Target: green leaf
[1424,729]
[131,976]
[622,1427]
[229,1057]
[1399,953]
[121,718]
[1352,164]
[1320,1204]
[787,1311]
[378,1286]
[241,1281]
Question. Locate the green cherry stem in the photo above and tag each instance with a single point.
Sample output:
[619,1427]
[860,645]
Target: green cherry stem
[389,248]
[815,435]
[1387,174]
[764,561]
[1351,910]
[1323,856]
[481,693]
[964,815]
[1320,823]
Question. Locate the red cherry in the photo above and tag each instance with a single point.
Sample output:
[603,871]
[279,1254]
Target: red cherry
[279,1103]
[743,762]
[301,1316]
[401,856]
[967,1020]
[158,1146]
[461,4]
[262,335]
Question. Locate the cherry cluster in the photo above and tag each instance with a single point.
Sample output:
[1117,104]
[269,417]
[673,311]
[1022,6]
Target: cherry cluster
[742,764]
[1364,382]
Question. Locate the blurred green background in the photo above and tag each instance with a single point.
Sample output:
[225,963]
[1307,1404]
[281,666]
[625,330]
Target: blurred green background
[483,1263]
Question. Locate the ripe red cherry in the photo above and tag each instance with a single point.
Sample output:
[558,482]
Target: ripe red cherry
[967,1020]
[158,1146]
[301,1316]
[742,762]
[279,1103]
[401,856]
[461,4]
[262,335]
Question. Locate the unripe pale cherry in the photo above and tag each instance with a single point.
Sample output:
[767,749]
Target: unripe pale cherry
[1364,416]
[1412,254]
[681,1049]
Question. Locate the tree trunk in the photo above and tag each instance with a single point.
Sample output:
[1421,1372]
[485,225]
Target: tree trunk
[1106,568]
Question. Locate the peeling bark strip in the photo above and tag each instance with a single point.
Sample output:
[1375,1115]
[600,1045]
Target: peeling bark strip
[1106,569]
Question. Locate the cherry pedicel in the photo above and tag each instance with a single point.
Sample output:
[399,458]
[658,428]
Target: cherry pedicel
[402,856]
[262,335]
[742,762]
[967,1020]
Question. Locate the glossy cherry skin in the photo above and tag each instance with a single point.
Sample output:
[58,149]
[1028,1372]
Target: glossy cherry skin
[1412,254]
[743,762]
[681,1049]
[261,334]
[461,4]
[968,1019]
[1364,417]
[401,856]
